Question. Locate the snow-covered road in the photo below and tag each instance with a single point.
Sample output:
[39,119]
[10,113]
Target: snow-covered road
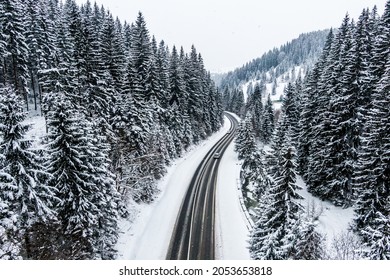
[148,235]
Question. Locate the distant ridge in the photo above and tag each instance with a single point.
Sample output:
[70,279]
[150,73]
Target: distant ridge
[302,51]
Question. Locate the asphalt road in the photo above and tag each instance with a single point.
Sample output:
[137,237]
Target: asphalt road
[193,236]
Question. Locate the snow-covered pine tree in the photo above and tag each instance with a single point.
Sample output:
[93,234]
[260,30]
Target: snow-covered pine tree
[162,60]
[363,47]
[344,124]
[213,113]
[100,88]
[325,157]
[162,64]
[178,104]
[245,143]
[372,173]
[26,194]
[15,58]
[107,199]
[314,103]
[2,45]
[113,51]
[306,120]
[40,42]
[154,95]
[79,56]
[268,123]
[226,99]
[310,244]
[264,242]
[380,51]
[78,163]
[273,156]
[139,119]
[254,172]
[193,78]
[75,211]
[379,235]
[9,244]
[255,108]
[285,181]
[290,109]
[238,103]
[136,106]
[215,110]
[276,233]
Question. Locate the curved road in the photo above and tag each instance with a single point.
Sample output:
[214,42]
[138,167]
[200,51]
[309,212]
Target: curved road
[193,235]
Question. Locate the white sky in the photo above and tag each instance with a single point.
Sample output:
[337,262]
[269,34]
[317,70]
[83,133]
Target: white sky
[230,33]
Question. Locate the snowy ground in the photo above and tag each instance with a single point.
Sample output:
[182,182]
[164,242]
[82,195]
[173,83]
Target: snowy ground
[334,221]
[37,131]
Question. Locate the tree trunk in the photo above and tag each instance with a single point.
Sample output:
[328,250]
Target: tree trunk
[33,88]
[27,245]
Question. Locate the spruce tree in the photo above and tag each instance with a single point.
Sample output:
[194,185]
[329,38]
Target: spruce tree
[310,244]
[15,60]
[254,173]
[79,166]
[178,120]
[107,199]
[26,192]
[265,238]
[162,60]
[245,143]
[9,244]
[372,172]
[290,106]
[276,230]
[314,103]
[255,107]
[330,147]
[196,92]
[40,41]
[268,124]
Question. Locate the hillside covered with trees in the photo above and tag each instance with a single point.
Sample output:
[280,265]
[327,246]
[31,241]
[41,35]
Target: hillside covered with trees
[273,70]
[303,50]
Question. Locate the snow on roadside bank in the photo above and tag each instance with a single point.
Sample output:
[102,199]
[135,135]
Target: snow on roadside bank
[232,232]
[147,237]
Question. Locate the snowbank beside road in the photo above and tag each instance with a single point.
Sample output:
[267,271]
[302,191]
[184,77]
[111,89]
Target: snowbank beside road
[232,231]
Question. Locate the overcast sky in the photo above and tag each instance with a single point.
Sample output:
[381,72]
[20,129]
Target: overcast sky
[230,33]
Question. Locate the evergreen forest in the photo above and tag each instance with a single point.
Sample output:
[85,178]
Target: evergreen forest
[333,130]
[119,107]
